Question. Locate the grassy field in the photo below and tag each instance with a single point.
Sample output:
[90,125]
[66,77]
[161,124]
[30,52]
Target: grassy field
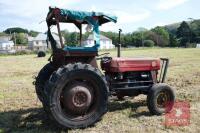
[20,110]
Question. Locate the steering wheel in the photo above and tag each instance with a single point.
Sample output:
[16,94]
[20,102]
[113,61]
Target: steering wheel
[106,59]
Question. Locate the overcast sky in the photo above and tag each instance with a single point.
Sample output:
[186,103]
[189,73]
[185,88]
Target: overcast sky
[131,14]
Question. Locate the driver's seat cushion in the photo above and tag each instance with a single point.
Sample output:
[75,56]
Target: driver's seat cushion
[81,50]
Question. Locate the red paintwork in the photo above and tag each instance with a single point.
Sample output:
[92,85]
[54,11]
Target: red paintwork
[131,64]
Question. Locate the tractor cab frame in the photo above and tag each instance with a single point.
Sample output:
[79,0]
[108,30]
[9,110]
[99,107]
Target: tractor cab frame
[67,54]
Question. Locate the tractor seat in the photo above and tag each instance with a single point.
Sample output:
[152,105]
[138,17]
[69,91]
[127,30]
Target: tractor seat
[81,51]
[131,64]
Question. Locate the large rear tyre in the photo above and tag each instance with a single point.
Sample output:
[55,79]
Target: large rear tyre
[160,99]
[77,95]
[41,79]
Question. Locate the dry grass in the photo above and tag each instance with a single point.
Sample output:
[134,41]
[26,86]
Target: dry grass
[20,111]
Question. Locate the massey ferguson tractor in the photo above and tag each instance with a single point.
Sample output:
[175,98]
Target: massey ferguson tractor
[74,91]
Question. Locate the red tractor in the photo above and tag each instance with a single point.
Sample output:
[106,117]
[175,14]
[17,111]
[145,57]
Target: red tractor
[72,88]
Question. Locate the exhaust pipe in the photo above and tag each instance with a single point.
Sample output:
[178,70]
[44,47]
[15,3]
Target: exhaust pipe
[119,45]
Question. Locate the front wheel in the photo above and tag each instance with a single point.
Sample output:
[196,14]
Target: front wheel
[77,95]
[160,99]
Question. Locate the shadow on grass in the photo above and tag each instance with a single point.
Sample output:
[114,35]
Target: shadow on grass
[35,120]
[116,105]
[29,120]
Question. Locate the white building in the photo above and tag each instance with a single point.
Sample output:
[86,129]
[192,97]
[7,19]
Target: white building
[39,43]
[6,45]
[105,43]
[198,46]
[5,38]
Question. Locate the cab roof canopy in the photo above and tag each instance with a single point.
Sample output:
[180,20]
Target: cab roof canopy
[77,17]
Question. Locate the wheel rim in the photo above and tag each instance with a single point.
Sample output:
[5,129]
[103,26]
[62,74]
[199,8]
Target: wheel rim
[163,98]
[77,98]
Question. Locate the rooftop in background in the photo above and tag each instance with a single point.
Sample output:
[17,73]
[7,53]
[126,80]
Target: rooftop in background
[5,38]
[5,41]
[43,37]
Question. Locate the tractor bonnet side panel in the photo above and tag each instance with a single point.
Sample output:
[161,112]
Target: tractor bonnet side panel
[131,64]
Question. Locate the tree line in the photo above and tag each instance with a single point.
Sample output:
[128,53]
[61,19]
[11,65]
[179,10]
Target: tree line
[185,34]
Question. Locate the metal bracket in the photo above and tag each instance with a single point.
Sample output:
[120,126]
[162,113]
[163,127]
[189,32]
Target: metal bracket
[163,72]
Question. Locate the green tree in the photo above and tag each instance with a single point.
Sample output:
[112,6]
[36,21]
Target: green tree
[21,38]
[138,39]
[172,28]
[128,40]
[73,39]
[149,43]
[15,30]
[173,42]
[195,28]
[162,36]
[154,37]
[33,33]
[143,35]
[184,34]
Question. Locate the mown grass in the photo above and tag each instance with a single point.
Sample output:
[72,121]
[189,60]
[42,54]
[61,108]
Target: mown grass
[20,110]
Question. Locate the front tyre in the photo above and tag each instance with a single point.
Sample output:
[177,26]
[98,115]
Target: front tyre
[77,95]
[160,99]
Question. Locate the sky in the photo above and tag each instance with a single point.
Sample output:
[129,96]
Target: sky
[132,14]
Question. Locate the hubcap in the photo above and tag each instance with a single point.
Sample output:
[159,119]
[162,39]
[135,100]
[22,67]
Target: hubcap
[78,98]
[162,99]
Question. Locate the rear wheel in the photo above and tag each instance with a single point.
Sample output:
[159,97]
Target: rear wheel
[77,95]
[41,79]
[160,99]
